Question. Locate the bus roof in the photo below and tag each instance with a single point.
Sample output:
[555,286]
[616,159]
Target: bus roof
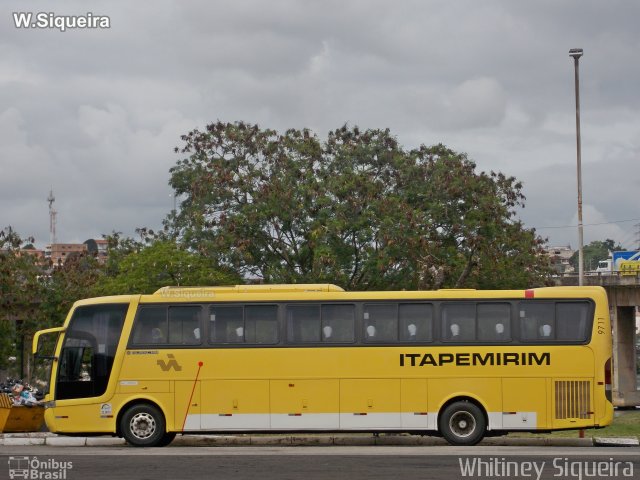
[325,291]
[281,288]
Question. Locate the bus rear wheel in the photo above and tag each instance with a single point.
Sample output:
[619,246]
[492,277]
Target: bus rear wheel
[144,426]
[462,423]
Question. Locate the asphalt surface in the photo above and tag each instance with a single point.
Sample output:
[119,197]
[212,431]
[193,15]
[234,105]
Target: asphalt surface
[268,462]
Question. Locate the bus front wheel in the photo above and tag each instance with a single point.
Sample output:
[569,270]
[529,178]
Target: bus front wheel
[143,426]
[462,423]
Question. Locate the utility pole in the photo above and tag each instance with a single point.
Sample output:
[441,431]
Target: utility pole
[576,53]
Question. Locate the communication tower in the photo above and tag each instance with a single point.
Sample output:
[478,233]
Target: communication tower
[52,218]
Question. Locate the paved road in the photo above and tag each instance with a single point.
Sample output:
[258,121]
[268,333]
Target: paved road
[320,463]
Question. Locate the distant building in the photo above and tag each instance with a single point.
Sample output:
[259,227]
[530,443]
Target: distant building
[98,248]
[59,253]
[560,257]
[31,250]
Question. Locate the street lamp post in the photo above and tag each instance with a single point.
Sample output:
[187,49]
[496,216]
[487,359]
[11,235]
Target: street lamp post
[576,53]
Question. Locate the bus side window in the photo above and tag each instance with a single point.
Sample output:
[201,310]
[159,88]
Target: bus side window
[381,323]
[183,321]
[338,323]
[494,322]
[415,322]
[226,324]
[261,324]
[459,322]
[150,326]
[303,323]
[537,322]
[572,321]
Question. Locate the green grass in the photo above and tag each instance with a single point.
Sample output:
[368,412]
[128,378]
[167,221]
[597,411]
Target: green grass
[625,424]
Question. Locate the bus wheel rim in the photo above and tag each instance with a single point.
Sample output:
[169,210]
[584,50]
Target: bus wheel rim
[142,425]
[462,423]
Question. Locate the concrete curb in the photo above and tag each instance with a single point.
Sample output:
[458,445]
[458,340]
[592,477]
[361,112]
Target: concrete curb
[50,439]
[615,442]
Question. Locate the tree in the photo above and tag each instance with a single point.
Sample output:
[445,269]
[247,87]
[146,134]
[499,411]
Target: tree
[75,279]
[159,264]
[594,252]
[356,209]
[20,296]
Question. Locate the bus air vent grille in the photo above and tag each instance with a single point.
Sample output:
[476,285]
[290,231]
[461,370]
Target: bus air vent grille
[573,399]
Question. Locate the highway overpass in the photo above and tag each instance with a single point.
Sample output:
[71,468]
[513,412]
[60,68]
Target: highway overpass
[624,297]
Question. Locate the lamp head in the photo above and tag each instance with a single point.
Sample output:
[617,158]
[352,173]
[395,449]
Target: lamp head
[575,52]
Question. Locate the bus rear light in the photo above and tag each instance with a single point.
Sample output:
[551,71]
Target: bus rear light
[607,373]
[529,293]
[607,379]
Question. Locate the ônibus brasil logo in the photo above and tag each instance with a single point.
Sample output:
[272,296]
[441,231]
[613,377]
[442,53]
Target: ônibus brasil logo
[33,468]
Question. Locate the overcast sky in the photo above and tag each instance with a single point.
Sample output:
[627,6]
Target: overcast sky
[95,113]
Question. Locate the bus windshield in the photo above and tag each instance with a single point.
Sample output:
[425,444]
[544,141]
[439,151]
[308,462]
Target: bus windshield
[89,348]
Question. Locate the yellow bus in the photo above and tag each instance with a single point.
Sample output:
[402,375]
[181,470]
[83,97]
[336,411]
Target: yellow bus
[463,364]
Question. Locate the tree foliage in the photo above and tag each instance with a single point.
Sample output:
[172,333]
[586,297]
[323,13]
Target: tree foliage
[356,209]
[20,293]
[162,263]
[35,295]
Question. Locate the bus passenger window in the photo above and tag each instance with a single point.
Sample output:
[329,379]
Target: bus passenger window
[339,322]
[226,324]
[303,323]
[183,320]
[261,324]
[572,321]
[494,322]
[150,326]
[459,322]
[537,321]
[415,321]
[381,323]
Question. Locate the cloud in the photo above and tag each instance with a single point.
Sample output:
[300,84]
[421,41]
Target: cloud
[96,113]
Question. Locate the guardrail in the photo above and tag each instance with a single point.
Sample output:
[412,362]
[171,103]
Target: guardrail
[614,279]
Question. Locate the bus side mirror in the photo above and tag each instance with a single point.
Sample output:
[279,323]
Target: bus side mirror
[36,341]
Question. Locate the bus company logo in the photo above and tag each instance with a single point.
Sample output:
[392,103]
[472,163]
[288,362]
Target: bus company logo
[474,359]
[36,469]
[171,363]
